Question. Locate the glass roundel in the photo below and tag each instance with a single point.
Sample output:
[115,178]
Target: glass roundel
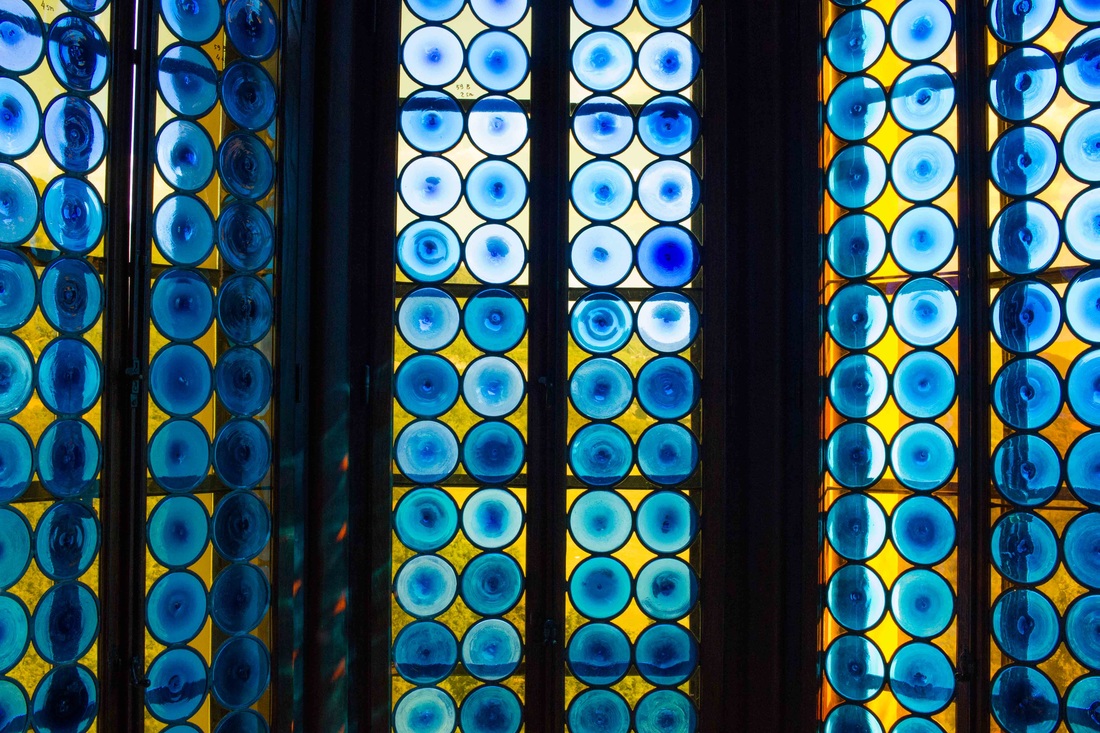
[890,297]
[460,408]
[214,254]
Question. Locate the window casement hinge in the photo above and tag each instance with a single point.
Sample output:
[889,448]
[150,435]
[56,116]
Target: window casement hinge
[137,674]
[964,672]
[135,375]
[549,632]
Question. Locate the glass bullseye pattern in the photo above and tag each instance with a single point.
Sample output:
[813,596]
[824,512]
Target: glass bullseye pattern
[55,64]
[210,376]
[890,360]
[635,254]
[1045,448]
[460,367]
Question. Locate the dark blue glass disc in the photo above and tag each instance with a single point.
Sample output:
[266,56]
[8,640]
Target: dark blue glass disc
[178,684]
[248,95]
[1024,699]
[245,309]
[72,295]
[68,458]
[66,540]
[494,320]
[666,654]
[921,678]
[1023,83]
[66,700]
[1081,387]
[246,166]
[243,381]
[598,654]
[668,256]
[181,379]
[252,27]
[1027,393]
[1025,237]
[66,622]
[1083,705]
[14,705]
[1024,547]
[493,452]
[187,80]
[600,588]
[856,245]
[76,136]
[601,454]
[491,709]
[492,583]
[239,598]
[19,118]
[246,237]
[240,672]
[242,526]
[175,609]
[78,53]
[72,212]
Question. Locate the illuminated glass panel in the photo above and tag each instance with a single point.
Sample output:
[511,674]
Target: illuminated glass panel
[208,565]
[460,381]
[1044,137]
[634,355]
[54,59]
[889,291]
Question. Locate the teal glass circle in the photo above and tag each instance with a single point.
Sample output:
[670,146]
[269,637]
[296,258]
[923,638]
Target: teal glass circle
[69,457]
[181,379]
[1082,303]
[668,453]
[598,711]
[240,672]
[179,455]
[856,455]
[855,41]
[856,597]
[428,319]
[177,684]
[426,519]
[248,95]
[66,700]
[601,322]
[15,631]
[1081,549]
[1012,21]
[493,452]
[600,521]
[1025,625]
[1081,146]
[17,366]
[187,80]
[922,97]
[1027,393]
[428,251]
[668,387]
[15,713]
[175,608]
[916,725]
[601,388]
[491,584]
[924,384]
[922,603]
[1083,704]
[66,622]
[425,652]
[178,531]
[1027,470]
[18,290]
[856,527]
[601,454]
[925,311]
[857,316]
[1083,468]
[849,718]
[493,386]
[921,29]
[195,22]
[1025,237]
[667,588]
[1024,548]
[856,108]
[667,522]
[1082,225]
[666,654]
[1024,699]
[16,461]
[857,176]
[426,385]
[183,230]
[856,245]
[665,711]
[854,667]
[1083,387]
[66,540]
[425,586]
[1023,83]
[1024,161]
[923,530]
[598,654]
[1083,630]
[15,546]
[491,709]
[923,167]
[600,588]
[921,678]
[20,209]
[425,710]
[492,649]
[923,239]
[73,216]
[1079,73]
[494,320]
[922,456]
[858,386]
[426,451]
[492,518]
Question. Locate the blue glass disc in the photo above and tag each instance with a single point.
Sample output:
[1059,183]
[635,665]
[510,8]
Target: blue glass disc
[179,455]
[602,60]
[598,711]
[428,319]
[425,519]
[669,190]
[668,256]
[245,309]
[856,527]
[922,603]
[178,531]
[1082,225]
[668,322]
[668,453]
[923,530]
[1025,237]
[602,190]
[603,13]
[1025,625]
[601,255]
[1027,393]
[666,654]
[72,295]
[850,718]
[923,239]
[430,186]
[181,379]
[922,97]
[242,453]
[1081,387]
[182,304]
[925,311]
[493,452]
[601,322]
[436,10]
[1081,147]
[600,588]
[185,155]
[858,386]
[916,725]
[667,588]
[492,584]
[669,125]
[21,46]
[425,586]
[855,40]
[921,29]
[175,609]
[494,320]
[246,237]
[491,709]
[426,385]
[66,622]
[1083,468]
[431,121]
[17,372]
[16,461]
[921,678]
[1083,630]
[600,521]
[183,230]
[603,125]
[14,705]
[18,290]
[1081,545]
[1083,11]
[425,710]
[668,13]
[19,118]
[1025,548]
[1082,303]
[18,205]
[665,711]
[856,455]
[856,245]
[240,672]
[498,60]
[66,700]
[196,21]
[248,95]
[1027,471]
[240,721]
[492,518]
[72,213]
[496,189]
[667,522]
[495,254]
[1024,161]
[426,451]
[601,454]
[78,53]
[187,80]
[1082,704]
[856,176]
[246,166]
[598,654]
[854,667]
[15,546]
[66,540]
[69,376]
[668,387]
[243,381]
[1025,699]
[856,108]
[497,125]
[1013,21]
[493,386]
[668,61]
[856,597]
[68,458]
[433,56]
[922,456]
[1079,73]
[252,27]
[1023,83]
[492,649]
[178,684]
[241,526]
[428,251]
[923,166]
